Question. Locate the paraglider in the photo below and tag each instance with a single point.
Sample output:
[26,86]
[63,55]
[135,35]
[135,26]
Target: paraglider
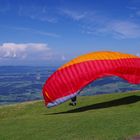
[73,76]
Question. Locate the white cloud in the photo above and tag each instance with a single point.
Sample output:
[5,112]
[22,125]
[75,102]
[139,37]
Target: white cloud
[124,29]
[138,54]
[41,13]
[24,51]
[75,15]
[30,30]
[95,23]
[119,29]
[63,58]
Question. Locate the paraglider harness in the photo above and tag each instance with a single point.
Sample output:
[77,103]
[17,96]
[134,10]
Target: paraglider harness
[73,101]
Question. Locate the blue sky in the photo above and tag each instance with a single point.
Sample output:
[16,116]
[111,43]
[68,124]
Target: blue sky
[50,32]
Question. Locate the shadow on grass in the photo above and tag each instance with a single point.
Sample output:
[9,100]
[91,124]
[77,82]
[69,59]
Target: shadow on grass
[117,102]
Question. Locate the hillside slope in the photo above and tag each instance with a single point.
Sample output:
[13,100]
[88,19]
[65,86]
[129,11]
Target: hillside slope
[102,117]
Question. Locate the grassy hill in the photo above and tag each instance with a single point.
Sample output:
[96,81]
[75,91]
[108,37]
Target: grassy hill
[102,117]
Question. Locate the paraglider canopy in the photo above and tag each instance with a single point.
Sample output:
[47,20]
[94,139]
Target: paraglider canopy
[69,79]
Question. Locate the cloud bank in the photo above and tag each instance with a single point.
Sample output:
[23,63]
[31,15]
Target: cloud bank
[24,51]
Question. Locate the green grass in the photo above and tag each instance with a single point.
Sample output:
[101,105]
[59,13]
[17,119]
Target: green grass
[103,117]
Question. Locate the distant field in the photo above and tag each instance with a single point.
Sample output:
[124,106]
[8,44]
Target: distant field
[22,83]
[102,117]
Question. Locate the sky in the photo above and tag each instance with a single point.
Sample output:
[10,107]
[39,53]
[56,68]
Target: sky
[52,32]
